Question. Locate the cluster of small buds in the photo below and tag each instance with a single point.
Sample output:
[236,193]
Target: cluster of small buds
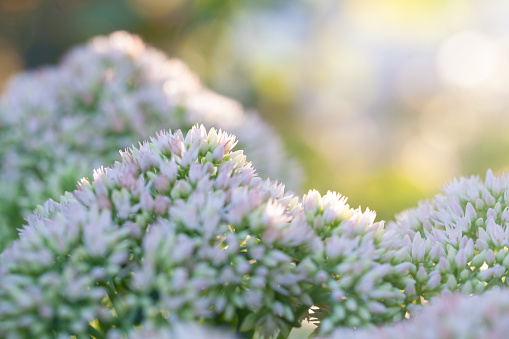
[447,316]
[360,281]
[175,331]
[458,240]
[180,230]
[56,123]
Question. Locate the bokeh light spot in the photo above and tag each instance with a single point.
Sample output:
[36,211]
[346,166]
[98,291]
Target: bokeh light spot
[467,59]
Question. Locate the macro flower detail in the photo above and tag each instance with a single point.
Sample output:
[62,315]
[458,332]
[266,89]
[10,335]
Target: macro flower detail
[446,316]
[181,229]
[58,122]
[360,279]
[458,240]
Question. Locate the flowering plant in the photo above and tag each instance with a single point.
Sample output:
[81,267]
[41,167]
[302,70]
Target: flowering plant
[181,237]
[181,229]
[59,122]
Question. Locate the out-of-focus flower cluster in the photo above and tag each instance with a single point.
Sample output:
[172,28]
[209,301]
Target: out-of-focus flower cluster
[176,331]
[57,123]
[447,316]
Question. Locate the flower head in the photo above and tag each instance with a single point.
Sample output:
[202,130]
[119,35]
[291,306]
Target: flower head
[181,229]
[58,122]
[458,240]
[447,316]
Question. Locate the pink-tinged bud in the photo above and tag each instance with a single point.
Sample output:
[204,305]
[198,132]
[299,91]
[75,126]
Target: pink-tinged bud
[418,249]
[330,214]
[177,146]
[212,138]
[490,200]
[195,173]
[181,190]
[461,259]
[402,269]
[490,257]
[435,252]
[482,244]
[479,204]
[486,274]
[338,295]
[498,208]
[321,276]
[478,260]
[467,288]
[456,208]
[377,307]
[407,242]
[161,183]
[489,178]
[218,154]
[312,202]
[100,187]
[434,280]
[469,249]
[410,289]
[161,204]
[146,201]
[421,275]
[169,169]
[440,236]
[491,214]
[103,202]
[444,265]
[496,232]
[499,271]
[452,283]
[483,235]
[470,212]
[229,144]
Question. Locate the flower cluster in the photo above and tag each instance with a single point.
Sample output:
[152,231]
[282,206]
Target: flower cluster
[447,316]
[183,230]
[361,278]
[180,230]
[458,240]
[57,123]
[176,331]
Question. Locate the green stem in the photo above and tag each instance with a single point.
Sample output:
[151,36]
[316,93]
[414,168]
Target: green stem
[93,332]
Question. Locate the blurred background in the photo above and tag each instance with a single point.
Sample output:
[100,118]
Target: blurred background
[382,101]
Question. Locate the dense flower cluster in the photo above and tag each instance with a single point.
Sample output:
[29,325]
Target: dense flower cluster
[361,280]
[181,229]
[57,123]
[176,331]
[447,316]
[181,233]
[458,240]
